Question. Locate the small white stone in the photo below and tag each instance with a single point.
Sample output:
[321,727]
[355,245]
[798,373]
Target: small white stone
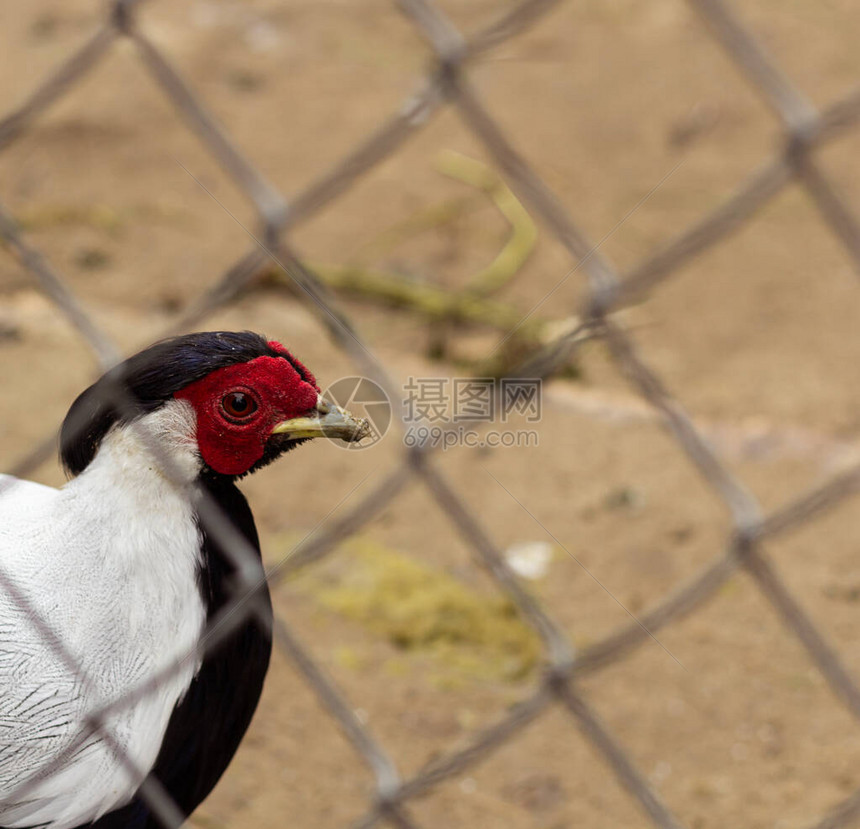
[468,785]
[529,559]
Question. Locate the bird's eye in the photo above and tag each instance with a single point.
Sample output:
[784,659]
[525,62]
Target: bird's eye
[238,406]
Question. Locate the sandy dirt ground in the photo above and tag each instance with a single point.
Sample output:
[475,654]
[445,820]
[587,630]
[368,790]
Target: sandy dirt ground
[758,339]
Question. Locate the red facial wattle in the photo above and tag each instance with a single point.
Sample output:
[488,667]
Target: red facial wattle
[232,432]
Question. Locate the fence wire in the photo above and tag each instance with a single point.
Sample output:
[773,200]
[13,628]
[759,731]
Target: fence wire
[804,128]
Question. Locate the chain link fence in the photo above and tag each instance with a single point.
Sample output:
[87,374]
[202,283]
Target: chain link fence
[448,85]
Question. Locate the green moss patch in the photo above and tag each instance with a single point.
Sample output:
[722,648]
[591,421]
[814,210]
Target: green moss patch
[418,608]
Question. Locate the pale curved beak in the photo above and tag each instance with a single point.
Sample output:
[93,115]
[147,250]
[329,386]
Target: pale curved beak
[327,420]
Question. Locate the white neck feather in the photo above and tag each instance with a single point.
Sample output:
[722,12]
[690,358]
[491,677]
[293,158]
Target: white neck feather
[164,442]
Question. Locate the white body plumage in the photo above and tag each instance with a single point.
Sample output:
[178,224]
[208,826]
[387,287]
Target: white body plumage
[110,562]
